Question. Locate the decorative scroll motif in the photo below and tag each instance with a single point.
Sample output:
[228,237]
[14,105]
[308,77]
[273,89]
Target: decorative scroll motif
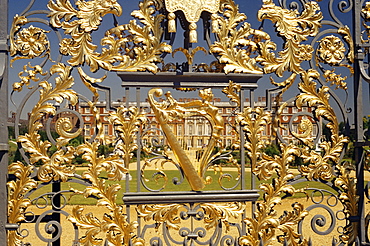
[172,216]
[17,204]
[130,47]
[233,45]
[58,166]
[139,47]
[294,29]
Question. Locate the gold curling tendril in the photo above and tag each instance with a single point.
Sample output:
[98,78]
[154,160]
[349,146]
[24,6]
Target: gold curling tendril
[130,47]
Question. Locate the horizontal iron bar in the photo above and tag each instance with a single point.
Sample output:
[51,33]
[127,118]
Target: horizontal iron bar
[362,144]
[187,79]
[191,196]
[11,227]
[4,147]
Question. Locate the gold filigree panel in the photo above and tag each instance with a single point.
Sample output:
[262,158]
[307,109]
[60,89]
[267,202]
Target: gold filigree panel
[139,46]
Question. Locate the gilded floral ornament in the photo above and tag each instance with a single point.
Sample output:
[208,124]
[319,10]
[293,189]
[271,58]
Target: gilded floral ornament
[29,42]
[32,42]
[27,76]
[336,79]
[331,50]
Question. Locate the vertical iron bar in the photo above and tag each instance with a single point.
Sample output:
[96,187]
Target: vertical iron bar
[253,177]
[358,114]
[242,156]
[242,142]
[4,119]
[127,99]
[138,156]
[138,152]
[56,187]
[127,95]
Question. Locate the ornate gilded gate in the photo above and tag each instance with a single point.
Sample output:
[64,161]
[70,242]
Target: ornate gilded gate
[227,131]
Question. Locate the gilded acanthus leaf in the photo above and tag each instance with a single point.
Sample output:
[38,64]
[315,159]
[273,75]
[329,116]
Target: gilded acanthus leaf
[17,204]
[319,166]
[349,197]
[114,223]
[294,29]
[127,122]
[216,213]
[262,228]
[162,213]
[254,122]
[235,44]
[53,167]
[130,47]
[232,91]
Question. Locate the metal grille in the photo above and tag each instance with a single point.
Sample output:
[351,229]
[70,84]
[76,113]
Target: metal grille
[228,131]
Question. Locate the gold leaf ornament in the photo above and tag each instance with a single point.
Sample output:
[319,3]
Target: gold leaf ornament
[29,42]
[127,122]
[331,50]
[295,29]
[53,167]
[17,203]
[234,45]
[129,47]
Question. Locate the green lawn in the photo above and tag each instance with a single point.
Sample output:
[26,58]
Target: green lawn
[156,182]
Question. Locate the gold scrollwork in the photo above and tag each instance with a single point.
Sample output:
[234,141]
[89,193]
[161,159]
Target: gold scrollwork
[189,56]
[17,204]
[53,168]
[128,122]
[319,166]
[213,213]
[230,38]
[305,127]
[138,50]
[294,29]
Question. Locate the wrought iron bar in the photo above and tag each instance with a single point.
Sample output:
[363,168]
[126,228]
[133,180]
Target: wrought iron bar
[3,118]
